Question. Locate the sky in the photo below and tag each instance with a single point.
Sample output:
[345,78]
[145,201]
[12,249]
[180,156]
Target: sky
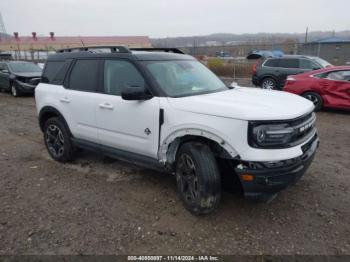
[171,18]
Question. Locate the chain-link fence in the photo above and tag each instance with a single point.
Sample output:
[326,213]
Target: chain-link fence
[337,53]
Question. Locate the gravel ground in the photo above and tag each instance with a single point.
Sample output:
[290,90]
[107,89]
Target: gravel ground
[96,205]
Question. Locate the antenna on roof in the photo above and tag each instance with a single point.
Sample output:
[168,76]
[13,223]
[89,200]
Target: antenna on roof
[82,42]
[2,25]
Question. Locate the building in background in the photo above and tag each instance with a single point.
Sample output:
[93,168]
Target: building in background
[335,50]
[38,47]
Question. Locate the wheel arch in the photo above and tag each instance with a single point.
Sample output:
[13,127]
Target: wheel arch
[48,112]
[169,147]
[311,91]
[268,76]
[323,99]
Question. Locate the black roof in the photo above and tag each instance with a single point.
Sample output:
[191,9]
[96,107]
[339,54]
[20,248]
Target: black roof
[134,55]
[293,56]
[140,54]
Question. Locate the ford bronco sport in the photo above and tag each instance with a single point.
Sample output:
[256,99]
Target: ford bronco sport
[166,111]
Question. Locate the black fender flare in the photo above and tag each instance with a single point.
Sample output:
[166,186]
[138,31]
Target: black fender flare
[47,112]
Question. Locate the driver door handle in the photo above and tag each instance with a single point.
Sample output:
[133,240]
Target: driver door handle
[106,106]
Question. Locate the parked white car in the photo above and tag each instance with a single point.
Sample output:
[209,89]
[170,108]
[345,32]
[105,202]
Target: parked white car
[167,111]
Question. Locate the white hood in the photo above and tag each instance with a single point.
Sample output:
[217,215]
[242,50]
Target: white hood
[246,104]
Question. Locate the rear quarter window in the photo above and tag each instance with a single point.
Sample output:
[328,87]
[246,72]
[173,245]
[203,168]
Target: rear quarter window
[55,72]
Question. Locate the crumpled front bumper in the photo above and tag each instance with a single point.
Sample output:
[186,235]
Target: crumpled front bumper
[25,87]
[262,180]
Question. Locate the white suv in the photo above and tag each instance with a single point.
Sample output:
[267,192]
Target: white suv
[167,111]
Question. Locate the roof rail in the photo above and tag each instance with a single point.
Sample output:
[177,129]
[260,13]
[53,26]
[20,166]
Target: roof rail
[113,49]
[163,49]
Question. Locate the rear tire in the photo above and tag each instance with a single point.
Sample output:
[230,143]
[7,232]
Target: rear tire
[198,178]
[269,84]
[57,140]
[315,98]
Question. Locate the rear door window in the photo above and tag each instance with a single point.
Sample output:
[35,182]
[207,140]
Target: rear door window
[84,75]
[289,63]
[272,63]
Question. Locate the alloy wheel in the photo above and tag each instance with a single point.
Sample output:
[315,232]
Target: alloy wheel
[187,177]
[268,84]
[313,99]
[55,140]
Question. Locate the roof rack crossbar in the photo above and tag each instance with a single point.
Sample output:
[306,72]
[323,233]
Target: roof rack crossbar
[114,49]
[164,49]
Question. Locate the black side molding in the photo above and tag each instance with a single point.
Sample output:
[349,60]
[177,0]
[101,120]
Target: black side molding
[161,122]
[115,153]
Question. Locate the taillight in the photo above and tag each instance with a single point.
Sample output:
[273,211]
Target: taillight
[290,80]
[254,68]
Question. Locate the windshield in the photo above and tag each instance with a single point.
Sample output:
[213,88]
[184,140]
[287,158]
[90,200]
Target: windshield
[322,62]
[24,67]
[184,78]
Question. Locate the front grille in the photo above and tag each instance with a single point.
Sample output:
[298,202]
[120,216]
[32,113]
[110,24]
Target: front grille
[300,120]
[34,81]
[29,80]
[304,128]
[308,145]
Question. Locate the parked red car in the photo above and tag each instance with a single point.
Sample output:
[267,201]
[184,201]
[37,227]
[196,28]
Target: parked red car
[327,87]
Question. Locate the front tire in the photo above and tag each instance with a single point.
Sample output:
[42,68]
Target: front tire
[14,90]
[57,140]
[315,98]
[198,178]
[269,84]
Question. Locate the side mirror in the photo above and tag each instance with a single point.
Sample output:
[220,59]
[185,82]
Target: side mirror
[135,93]
[233,85]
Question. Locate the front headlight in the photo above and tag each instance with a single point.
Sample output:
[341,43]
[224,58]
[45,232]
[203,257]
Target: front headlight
[281,133]
[269,135]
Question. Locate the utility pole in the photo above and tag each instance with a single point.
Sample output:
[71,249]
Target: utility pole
[194,46]
[2,25]
[306,34]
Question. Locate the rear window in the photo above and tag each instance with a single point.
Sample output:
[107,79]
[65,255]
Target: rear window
[289,63]
[271,63]
[55,72]
[84,75]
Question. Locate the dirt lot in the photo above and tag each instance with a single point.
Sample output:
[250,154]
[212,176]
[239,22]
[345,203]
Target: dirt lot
[96,205]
